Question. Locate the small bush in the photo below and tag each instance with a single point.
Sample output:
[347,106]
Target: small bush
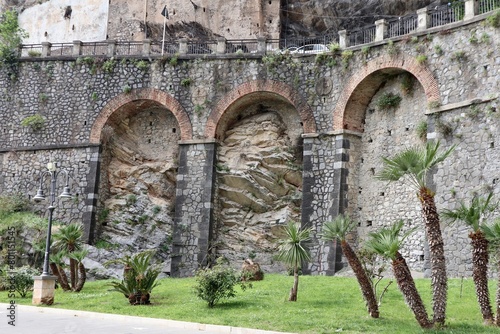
[109,65]
[23,279]
[334,47]
[214,284]
[127,89]
[389,101]
[34,122]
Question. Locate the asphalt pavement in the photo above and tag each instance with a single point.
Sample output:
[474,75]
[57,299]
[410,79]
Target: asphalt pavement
[48,320]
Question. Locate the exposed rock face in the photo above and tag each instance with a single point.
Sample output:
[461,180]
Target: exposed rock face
[138,184]
[318,17]
[259,182]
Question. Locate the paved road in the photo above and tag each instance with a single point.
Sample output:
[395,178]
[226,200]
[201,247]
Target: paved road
[38,320]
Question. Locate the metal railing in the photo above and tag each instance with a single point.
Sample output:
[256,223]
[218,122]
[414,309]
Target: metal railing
[31,50]
[362,36]
[128,48]
[437,16]
[452,12]
[94,49]
[402,26]
[488,5]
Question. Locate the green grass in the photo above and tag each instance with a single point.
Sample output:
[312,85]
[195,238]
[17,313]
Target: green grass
[325,305]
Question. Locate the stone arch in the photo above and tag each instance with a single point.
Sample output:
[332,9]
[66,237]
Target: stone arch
[258,88]
[360,88]
[145,94]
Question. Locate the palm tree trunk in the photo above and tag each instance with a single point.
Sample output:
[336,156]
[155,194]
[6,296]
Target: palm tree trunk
[362,277]
[293,291]
[82,278]
[407,286]
[480,273]
[72,272]
[436,250]
[61,276]
[497,320]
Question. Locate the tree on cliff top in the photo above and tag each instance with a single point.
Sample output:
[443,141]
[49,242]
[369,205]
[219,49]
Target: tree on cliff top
[11,36]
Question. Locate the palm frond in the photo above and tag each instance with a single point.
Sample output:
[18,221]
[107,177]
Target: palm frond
[387,241]
[293,248]
[412,163]
[338,228]
[473,214]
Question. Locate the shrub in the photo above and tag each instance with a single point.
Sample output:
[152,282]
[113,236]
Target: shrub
[22,279]
[34,122]
[334,47]
[388,101]
[109,65]
[33,53]
[127,89]
[139,277]
[214,284]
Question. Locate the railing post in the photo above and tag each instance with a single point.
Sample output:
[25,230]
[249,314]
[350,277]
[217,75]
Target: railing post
[261,45]
[221,45]
[77,48]
[471,9]
[146,47]
[424,20]
[111,48]
[46,49]
[343,39]
[380,29]
[183,46]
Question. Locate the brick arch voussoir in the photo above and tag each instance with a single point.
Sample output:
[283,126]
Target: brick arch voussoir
[404,62]
[285,91]
[142,94]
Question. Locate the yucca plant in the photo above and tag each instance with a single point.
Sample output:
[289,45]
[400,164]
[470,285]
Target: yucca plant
[473,216]
[293,251]
[139,280]
[412,165]
[387,243]
[338,229]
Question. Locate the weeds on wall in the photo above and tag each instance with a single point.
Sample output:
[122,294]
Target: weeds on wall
[391,48]
[35,122]
[126,89]
[186,82]
[142,65]
[43,98]
[346,57]
[421,130]
[433,104]
[388,101]
[459,56]
[109,65]
[493,20]
[407,84]
[445,129]
[439,50]
[421,59]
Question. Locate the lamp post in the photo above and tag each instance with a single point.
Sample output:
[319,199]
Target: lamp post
[43,291]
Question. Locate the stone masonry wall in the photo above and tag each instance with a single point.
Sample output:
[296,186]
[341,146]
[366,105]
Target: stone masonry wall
[461,70]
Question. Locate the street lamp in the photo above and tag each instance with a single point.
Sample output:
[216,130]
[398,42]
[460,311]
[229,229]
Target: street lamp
[43,292]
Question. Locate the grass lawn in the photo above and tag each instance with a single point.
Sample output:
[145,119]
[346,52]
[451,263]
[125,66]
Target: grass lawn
[325,305]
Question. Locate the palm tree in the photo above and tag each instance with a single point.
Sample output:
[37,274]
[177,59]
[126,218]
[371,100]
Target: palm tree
[338,229]
[293,252]
[473,216]
[68,242]
[492,234]
[412,165]
[387,243]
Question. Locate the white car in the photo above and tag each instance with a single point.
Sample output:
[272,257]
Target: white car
[311,48]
